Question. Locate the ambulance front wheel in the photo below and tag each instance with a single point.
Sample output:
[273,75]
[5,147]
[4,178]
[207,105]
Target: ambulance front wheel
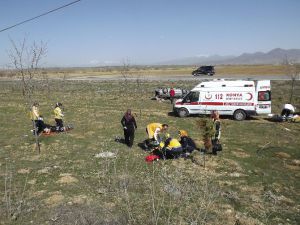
[239,115]
[183,112]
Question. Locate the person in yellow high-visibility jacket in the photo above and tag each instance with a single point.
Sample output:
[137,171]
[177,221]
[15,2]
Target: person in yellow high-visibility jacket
[35,113]
[171,148]
[154,129]
[38,121]
[58,116]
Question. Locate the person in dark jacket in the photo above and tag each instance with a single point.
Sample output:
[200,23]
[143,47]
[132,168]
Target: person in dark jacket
[129,125]
[215,139]
[217,125]
[186,142]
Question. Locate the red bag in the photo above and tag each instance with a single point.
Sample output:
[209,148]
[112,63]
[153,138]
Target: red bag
[151,158]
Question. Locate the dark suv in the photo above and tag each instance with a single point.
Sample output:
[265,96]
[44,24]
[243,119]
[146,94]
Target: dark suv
[208,70]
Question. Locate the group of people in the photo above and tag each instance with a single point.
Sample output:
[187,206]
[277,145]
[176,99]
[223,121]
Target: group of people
[159,141]
[38,120]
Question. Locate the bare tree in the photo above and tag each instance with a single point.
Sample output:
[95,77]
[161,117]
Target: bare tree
[293,71]
[26,61]
[125,71]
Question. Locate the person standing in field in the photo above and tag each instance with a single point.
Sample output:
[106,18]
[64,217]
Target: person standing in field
[172,95]
[58,116]
[217,125]
[217,131]
[129,125]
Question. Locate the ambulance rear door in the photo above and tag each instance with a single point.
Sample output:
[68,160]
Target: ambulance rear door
[263,97]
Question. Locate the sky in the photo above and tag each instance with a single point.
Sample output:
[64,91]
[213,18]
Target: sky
[105,32]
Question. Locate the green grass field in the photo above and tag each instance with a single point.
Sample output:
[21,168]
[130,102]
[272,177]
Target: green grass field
[254,180]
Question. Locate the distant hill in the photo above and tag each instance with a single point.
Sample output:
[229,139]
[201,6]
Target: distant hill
[275,56]
[214,59]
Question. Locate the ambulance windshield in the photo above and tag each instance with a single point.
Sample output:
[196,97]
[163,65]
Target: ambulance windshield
[192,96]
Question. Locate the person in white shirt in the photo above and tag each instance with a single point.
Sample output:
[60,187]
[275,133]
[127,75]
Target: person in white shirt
[288,109]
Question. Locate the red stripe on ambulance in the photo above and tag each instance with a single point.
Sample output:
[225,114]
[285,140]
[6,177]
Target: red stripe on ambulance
[219,103]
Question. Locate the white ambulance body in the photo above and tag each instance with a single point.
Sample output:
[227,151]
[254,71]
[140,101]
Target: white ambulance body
[239,98]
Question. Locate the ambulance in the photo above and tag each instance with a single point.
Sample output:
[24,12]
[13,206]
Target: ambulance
[239,98]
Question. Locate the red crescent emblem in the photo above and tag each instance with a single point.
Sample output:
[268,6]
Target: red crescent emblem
[250,96]
[208,96]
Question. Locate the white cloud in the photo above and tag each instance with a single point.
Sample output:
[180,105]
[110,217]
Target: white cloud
[203,55]
[94,61]
[111,62]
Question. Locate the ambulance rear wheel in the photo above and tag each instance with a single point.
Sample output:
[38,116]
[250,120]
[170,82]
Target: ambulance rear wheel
[239,115]
[183,112]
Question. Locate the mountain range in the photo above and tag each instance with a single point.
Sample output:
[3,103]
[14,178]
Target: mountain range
[275,56]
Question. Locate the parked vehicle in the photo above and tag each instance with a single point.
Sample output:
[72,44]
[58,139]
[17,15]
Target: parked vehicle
[165,92]
[207,70]
[238,98]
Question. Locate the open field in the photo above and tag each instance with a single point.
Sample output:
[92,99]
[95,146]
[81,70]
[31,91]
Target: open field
[254,180]
[230,70]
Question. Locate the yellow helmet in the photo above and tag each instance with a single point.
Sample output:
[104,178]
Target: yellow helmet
[183,133]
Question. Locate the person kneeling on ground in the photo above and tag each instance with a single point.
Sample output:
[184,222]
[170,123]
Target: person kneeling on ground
[154,131]
[58,115]
[187,143]
[38,121]
[287,110]
[171,149]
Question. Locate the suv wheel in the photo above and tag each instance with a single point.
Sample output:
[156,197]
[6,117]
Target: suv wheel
[239,115]
[183,112]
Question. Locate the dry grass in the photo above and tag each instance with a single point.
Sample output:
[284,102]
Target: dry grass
[145,71]
[249,182]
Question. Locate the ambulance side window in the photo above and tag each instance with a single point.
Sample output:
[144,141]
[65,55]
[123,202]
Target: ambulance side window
[193,96]
[264,96]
